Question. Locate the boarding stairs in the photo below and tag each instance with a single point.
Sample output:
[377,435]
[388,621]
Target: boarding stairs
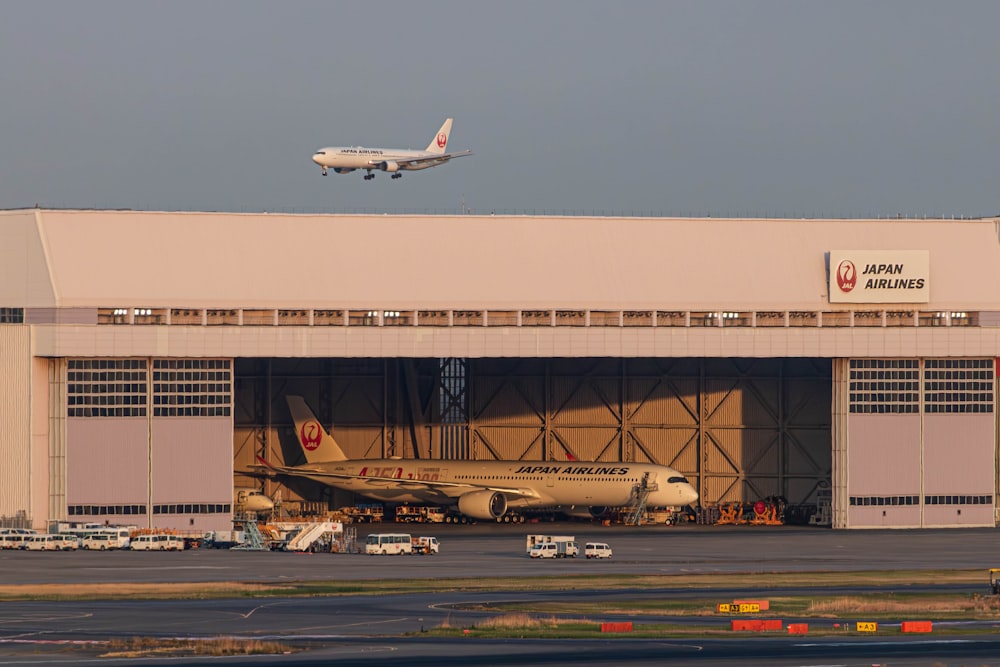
[640,495]
[253,540]
[308,535]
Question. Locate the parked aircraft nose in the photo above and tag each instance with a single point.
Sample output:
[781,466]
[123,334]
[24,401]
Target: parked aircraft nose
[688,495]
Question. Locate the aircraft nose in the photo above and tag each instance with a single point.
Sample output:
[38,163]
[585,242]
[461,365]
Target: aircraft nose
[688,495]
[317,156]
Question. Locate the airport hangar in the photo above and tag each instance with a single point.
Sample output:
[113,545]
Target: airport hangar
[146,355]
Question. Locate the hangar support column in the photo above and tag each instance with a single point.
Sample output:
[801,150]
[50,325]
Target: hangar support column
[838,427]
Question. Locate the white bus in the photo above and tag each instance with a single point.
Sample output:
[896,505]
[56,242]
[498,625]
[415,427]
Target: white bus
[389,543]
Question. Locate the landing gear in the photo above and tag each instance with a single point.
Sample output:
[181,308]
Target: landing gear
[324,171]
[369,176]
[397,175]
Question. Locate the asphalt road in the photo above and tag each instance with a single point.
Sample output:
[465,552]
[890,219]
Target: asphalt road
[363,630]
[499,551]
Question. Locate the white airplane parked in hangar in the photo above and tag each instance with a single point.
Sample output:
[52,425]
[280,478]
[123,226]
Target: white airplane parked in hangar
[481,489]
[345,159]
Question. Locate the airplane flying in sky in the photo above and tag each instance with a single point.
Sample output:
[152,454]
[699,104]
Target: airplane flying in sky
[482,489]
[344,159]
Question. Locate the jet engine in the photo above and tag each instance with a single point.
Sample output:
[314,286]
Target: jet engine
[388,165]
[343,170]
[483,504]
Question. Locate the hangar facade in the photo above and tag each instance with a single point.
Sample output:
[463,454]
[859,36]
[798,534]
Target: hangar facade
[146,355]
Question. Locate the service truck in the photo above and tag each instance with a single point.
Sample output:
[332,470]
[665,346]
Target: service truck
[419,514]
[532,540]
[425,545]
[553,546]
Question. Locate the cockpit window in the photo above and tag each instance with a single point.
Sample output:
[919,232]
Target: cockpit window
[320,152]
[678,480]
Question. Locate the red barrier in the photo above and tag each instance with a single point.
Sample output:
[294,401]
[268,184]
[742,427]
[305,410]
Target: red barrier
[617,627]
[798,628]
[917,626]
[754,625]
[748,625]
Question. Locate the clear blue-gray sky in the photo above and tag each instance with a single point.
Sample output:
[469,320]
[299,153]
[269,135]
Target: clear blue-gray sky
[848,108]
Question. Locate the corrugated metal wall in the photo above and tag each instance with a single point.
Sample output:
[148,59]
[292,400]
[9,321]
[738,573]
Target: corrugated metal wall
[884,462]
[107,461]
[15,415]
[192,464]
[958,461]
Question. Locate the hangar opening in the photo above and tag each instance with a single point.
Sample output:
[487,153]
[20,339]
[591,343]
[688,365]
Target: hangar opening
[739,429]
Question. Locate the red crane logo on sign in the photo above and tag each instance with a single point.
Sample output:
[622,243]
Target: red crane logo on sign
[442,140]
[847,276]
[310,435]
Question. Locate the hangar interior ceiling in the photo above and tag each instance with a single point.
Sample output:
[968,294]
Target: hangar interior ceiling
[740,429]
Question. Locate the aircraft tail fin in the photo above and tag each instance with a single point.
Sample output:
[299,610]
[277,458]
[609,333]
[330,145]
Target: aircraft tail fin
[440,142]
[317,444]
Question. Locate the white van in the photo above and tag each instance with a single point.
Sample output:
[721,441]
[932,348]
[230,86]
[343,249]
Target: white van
[597,550]
[157,543]
[51,542]
[13,541]
[104,541]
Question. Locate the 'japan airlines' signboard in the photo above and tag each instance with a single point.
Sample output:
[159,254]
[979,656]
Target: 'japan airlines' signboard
[880,276]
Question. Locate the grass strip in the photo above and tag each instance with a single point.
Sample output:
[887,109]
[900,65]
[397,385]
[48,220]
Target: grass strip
[236,589]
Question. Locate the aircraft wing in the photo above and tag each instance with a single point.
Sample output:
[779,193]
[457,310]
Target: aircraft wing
[449,489]
[436,159]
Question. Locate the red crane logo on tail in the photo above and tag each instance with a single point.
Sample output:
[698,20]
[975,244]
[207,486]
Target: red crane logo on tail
[442,140]
[847,276]
[310,435]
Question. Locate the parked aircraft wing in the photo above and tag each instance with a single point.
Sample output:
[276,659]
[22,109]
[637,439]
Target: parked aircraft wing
[449,489]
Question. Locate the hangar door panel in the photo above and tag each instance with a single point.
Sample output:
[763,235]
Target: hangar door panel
[959,442]
[921,443]
[149,442]
[107,463]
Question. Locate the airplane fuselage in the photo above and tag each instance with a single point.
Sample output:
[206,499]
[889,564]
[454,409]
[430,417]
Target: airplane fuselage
[343,159]
[551,484]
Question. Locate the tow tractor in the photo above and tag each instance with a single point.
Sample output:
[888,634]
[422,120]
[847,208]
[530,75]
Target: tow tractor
[995,580]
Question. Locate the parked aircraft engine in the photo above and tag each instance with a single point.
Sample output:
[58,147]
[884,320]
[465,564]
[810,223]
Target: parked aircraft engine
[388,165]
[343,170]
[483,504]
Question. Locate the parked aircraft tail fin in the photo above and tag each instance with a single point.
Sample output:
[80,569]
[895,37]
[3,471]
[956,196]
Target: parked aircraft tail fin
[317,444]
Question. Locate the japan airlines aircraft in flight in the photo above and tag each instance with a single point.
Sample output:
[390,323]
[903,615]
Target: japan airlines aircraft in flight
[344,159]
[482,489]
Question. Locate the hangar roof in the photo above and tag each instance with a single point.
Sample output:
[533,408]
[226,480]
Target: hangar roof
[100,258]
